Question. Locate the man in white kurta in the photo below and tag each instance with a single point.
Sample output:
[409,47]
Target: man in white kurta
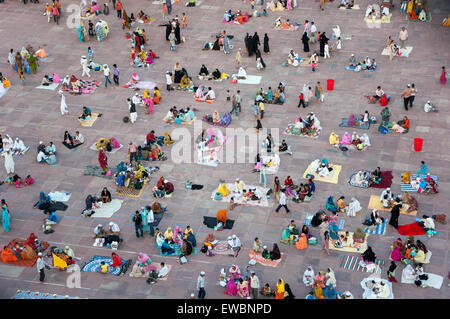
[9,162]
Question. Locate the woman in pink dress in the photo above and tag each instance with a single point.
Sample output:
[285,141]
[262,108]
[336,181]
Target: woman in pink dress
[289,5]
[242,288]
[443,77]
[230,288]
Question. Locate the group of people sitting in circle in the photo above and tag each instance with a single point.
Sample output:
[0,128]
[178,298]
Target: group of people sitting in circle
[300,193]
[163,188]
[238,17]
[285,25]
[241,193]
[132,175]
[185,240]
[375,12]
[269,97]
[293,236]
[353,141]
[178,116]
[204,94]
[309,126]
[70,140]
[94,202]
[367,64]
[323,285]
[71,84]
[22,251]
[16,147]
[46,154]
[205,75]
[110,235]
[17,181]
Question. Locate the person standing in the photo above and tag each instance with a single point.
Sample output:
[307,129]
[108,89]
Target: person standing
[40,267]
[84,66]
[172,40]
[132,151]
[282,202]
[63,107]
[238,100]
[201,285]
[116,74]
[150,221]
[237,59]
[313,30]
[403,36]
[262,175]
[395,212]
[326,51]
[266,44]
[325,242]
[320,95]
[254,285]
[413,95]
[48,12]
[169,6]
[103,161]
[58,5]
[55,13]
[137,219]
[133,113]
[106,72]
[322,4]
[119,9]
[6,220]
[9,162]
[443,77]
[302,100]
[406,96]
[391,272]
[11,58]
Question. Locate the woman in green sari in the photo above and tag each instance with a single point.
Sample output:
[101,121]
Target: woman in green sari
[33,63]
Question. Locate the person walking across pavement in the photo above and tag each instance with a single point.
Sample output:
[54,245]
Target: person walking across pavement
[201,285]
[283,201]
[406,96]
[137,219]
[403,36]
[40,267]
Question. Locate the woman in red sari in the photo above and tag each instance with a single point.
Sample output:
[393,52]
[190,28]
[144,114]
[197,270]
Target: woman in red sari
[116,262]
[103,160]
[31,239]
[443,77]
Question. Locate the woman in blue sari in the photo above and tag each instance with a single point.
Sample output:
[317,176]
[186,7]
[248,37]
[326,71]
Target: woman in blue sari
[330,293]
[333,229]
[80,33]
[43,199]
[166,249]
[144,214]
[5,218]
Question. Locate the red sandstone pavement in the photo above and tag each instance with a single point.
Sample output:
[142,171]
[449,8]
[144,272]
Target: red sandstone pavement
[33,115]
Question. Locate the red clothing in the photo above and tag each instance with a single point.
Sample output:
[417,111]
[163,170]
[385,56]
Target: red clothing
[288,182]
[116,261]
[118,6]
[55,11]
[301,96]
[151,137]
[383,100]
[102,159]
[30,241]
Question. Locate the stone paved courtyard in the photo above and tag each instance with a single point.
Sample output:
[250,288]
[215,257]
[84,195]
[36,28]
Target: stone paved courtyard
[33,115]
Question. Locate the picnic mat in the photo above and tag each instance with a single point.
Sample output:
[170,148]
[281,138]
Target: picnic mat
[157,218]
[265,262]
[91,121]
[114,150]
[238,198]
[23,262]
[375,203]
[108,209]
[352,263]
[379,229]
[211,222]
[410,188]
[376,21]
[251,79]
[221,248]
[362,246]
[96,170]
[87,87]
[142,85]
[434,281]
[177,248]
[290,130]
[355,7]
[93,265]
[130,191]
[344,123]
[50,87]
[59,196]
[70,147]
[331,178]
[386,180]
[20,294]
[309,217]
[411,229]
[405,52]
[57,206]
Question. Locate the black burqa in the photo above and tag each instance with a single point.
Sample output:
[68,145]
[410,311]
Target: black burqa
[251,46]
[258,55]
[323,41]
[177,34]
[256,39]
[168,31]
[266,44]
[369,255]
[395,212]
[246,41]
[305,41]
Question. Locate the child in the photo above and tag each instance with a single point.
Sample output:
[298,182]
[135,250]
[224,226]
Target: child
[91,28]
[183,21]
[157,95]
[269,95]
[104,268]
[313,67]
[252,3]
[29,180]
[90,53]
[265,254]
[228,95]
[266,291]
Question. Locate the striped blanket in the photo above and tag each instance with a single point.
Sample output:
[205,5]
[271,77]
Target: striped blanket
[352,263]
[380,229]
[410,188]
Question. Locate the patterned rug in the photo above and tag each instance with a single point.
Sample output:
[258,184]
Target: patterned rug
[221,248]
[352,263]
[87,87]
[130,191]
[265,262]
[39,295]
[290,130]
[93,265]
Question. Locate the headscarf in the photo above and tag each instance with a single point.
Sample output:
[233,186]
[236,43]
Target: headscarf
[309,272]
[280,286]
[31,239]
[331,278]
[143,258]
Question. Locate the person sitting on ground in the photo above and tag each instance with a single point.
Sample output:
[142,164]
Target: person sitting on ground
[275,254]
[105,195]
[86,115]
[257,245]
[163,271]
[210,95]
[47,80]
[375,217]
[375,176]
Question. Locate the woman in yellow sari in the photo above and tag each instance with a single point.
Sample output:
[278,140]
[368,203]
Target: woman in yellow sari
[168,234]
[318,294]
[168,139]
[125,20]
[280,289]
[223,189]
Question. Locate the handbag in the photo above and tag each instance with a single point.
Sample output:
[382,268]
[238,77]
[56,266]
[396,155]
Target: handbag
[183,260]
[218,196]
[338,244]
